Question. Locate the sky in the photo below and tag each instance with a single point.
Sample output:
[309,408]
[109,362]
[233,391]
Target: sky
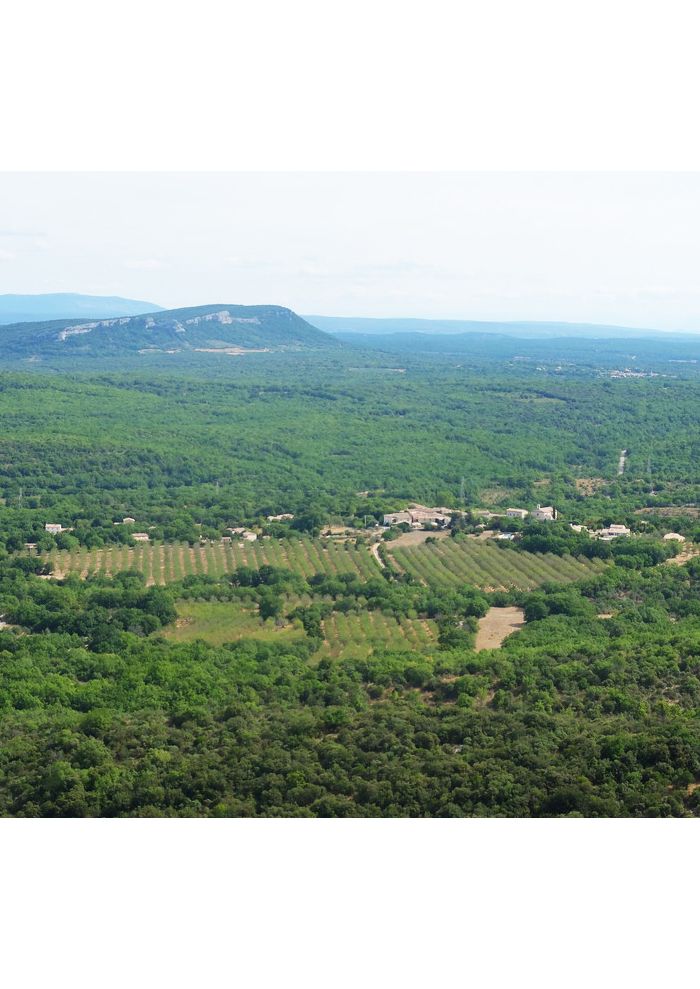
[617,248]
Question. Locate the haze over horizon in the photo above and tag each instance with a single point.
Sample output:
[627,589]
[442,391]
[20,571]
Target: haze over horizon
[607,248]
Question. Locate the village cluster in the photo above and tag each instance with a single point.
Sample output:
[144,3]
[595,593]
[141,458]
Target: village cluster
[416,517]
[421,517]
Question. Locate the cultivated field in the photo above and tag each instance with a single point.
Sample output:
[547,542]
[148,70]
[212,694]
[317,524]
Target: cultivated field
[352,635]
[452,562]
[446,563]
[162,563]
[359,635]
[224,621]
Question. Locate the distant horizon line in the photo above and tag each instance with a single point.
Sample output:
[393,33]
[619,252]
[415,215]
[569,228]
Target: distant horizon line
[491,320]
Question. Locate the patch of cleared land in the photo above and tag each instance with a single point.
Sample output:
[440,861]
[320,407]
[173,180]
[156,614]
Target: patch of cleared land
[417,536]
[688,554]
[496,625]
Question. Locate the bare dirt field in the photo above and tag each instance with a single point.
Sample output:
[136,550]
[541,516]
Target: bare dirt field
[496,625]
[416,537]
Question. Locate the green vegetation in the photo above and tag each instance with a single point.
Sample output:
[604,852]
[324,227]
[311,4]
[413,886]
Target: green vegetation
[198,329]
[454,562]
[218,622]
[297,675]
[575,715]
[297,433]
[352,634]
[163,563]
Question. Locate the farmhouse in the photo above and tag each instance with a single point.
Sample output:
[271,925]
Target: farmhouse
[544,514]
[396,518]
[613,531]
[284,517]
[54,528]
[674,537]
[140,537]
[517,513]
[429,516]
[418,517]
[127,520]
[242,533]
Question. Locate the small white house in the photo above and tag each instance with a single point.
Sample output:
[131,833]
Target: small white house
[545,513]
[674,537]
[284,517]
[517,513]
[127,520]
[140,537]
[613,531]
[54,528]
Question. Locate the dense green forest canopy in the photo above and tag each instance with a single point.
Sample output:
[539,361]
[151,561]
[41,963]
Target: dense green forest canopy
[303,434]
[590,709]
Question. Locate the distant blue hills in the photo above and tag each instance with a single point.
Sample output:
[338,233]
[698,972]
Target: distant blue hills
[68,305]
[346,325]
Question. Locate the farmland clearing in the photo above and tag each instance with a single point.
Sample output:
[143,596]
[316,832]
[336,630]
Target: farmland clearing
[496,625]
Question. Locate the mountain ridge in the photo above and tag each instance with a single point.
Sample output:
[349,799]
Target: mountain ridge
[215,329]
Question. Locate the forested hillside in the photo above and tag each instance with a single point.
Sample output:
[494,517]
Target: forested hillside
[227,330]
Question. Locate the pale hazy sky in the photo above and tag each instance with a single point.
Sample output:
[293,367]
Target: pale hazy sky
[590,247]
